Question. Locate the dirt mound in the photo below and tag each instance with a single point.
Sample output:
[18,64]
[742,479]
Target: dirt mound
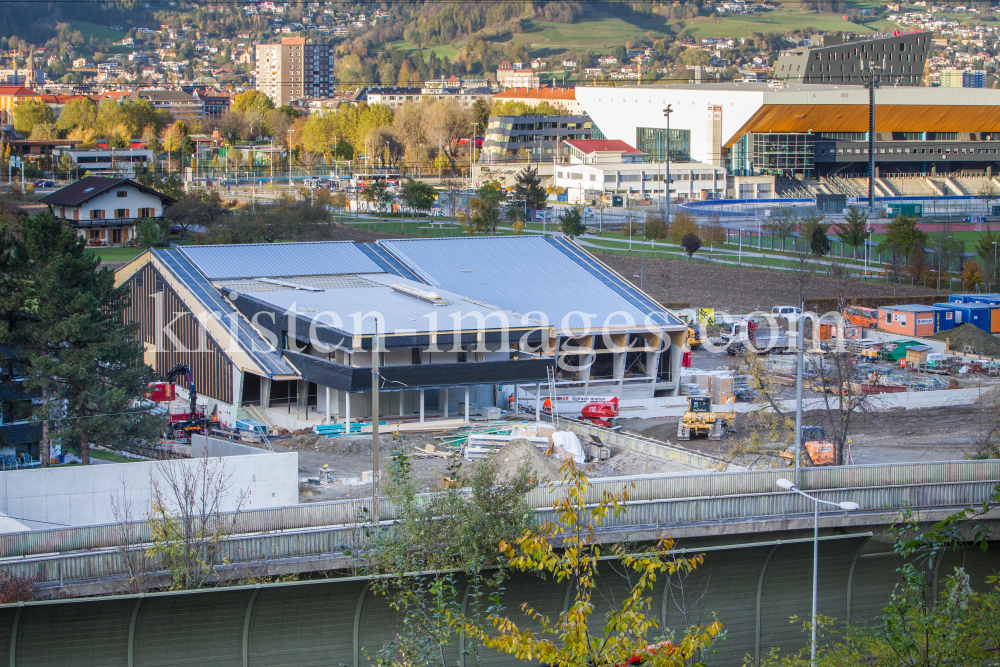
[511,456]
[980,341]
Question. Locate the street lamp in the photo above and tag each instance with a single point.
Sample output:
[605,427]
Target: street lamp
[994,263]
[289,160]
[872,80]
[788,485]
[666,184]
[472,150]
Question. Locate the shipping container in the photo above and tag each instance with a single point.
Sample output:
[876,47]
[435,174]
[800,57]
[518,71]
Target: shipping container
[990,298]
[915,320]
[978,314]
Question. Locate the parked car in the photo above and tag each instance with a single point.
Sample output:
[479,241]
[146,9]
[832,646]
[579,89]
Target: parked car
[44,184]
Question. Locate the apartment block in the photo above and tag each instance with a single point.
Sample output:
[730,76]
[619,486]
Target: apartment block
[293,69]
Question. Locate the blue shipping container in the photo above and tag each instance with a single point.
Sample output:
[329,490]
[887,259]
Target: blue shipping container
[944,319]
[970,313]
[975,298]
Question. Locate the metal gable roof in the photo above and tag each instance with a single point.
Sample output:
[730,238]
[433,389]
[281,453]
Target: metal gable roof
[531,275]
[274,260]
[251,341]
[350,309]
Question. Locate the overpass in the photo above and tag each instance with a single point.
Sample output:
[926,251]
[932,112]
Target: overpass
[738,506]
[757,572]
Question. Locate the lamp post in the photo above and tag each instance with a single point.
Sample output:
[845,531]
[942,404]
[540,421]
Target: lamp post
[872,80]
[289,160]
[666,184]
[941,252]
[847,506]
[994,272]
[472,150]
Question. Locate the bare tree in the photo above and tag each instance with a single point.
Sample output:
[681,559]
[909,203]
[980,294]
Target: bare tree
[129,531]
[843,397]
[187,520]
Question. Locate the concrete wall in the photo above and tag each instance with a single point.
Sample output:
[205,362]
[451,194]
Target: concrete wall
[202,445]
[84,495]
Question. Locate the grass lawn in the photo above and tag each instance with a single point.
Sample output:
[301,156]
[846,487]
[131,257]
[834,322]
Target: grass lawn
[111,456]
[446,50]
[116,254]
[778,20]
[98,31]
[596,30]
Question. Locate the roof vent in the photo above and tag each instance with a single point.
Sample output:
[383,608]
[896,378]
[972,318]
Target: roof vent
[284,283]
[423,295]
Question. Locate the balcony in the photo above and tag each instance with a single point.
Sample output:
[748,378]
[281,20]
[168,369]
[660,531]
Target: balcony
[104,223]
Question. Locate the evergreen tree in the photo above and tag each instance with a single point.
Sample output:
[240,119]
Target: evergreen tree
[572,223]
[72,346]
[854,230]
[819,244]
[528,187]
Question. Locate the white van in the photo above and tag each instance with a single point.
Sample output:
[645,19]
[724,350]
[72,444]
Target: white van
[782,312]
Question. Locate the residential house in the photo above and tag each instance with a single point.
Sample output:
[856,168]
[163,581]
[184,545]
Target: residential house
[12,96]
[105,210]
[177,102]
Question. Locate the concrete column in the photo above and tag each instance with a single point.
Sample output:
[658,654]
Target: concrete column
[402,397]
[265,393]
[347,412]
[443,400]
[466,404]
[302,397]
[327,413]
[237,387]
[421,405]
[538,402]
[516,391]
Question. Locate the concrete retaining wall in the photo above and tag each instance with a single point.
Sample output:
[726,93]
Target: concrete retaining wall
[203,445]
[85,495]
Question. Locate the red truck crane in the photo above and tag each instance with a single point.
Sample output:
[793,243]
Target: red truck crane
[183,424]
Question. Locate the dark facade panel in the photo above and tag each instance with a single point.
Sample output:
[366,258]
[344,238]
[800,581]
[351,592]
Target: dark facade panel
[349,378]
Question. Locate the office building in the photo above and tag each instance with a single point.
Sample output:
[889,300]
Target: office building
[541,137]
[963,78]
[833,60]
[293,69]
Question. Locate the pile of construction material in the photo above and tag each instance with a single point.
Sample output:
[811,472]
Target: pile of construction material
[722,385]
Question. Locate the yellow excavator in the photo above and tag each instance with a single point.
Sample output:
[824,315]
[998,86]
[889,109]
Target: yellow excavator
[700,419]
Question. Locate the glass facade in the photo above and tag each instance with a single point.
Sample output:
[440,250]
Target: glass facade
[653,142]
[773,154]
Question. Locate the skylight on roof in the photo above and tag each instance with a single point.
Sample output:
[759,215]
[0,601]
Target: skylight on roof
[88,189]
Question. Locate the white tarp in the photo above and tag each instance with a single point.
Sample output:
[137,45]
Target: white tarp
[570,444]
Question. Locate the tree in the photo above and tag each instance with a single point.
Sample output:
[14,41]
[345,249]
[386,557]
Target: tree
[152,232]
[253,101]
[170,185]
[946,248]
[377,194]
[528,188]
[901,236]
[77,112]
[567,549]
[200,208]
[572,222]
[691,243]
[655,227]
[918,267]
[683,224]
[819,244]
[481,112]
[854,229]
[63,327]
[417,195]
[971,275]
[782,223]
[987,252]
[484,209]
[30,113]
[714,232]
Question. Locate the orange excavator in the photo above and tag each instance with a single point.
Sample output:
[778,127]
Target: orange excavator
[815,445]
[599,413]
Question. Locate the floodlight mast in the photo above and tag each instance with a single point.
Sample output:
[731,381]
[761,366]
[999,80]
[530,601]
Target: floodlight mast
[872,77]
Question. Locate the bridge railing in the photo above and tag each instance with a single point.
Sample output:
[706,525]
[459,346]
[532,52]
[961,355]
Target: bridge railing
[641,489]
[252,550]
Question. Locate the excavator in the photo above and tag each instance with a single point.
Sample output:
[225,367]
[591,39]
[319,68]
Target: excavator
[700,419]
[183,424]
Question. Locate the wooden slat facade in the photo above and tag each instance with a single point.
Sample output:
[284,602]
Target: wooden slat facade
[211,369]
[798,118]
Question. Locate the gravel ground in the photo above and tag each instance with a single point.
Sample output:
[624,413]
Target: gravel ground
[739,288]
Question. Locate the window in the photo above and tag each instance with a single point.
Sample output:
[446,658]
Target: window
[147,213]
[416,356]
[121,212]
[97,214]
[122,193]
[888,317]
